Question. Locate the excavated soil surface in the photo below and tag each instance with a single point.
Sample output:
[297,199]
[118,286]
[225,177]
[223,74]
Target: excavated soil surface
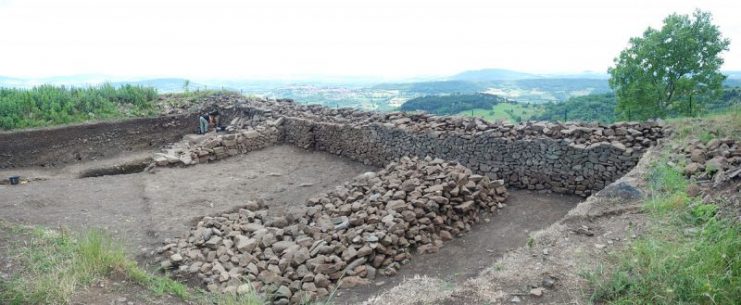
[143,209]
[465,257]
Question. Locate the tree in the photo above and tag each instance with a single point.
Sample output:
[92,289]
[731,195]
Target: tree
[671,71]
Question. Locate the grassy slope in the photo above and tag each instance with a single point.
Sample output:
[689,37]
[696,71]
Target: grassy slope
[690,255]
[56,264]
[505,112]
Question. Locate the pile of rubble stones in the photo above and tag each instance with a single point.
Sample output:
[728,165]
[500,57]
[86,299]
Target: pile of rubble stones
[718,160]
[368,226]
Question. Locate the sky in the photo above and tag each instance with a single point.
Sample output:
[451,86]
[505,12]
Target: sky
[274,39]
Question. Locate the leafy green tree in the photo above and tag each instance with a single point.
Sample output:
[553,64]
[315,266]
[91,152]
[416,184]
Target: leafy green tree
[670,71]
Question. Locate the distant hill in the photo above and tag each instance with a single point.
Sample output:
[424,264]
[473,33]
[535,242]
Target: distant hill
[484,75]
[436,87]
[10,82]
[452,104]
[588,108]
[732,82]
[558,89]
[732,74]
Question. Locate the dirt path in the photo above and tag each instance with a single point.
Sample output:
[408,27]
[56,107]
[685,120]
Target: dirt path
[143,209]
[465,257]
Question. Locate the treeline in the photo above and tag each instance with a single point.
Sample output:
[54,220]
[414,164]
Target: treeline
[452,104]
[731,97]
[588,108]
[51,105]
[603,108]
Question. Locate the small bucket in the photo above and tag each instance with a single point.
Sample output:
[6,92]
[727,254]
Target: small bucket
[14,180]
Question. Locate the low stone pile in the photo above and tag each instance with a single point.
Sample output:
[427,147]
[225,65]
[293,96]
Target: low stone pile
[194,149]
[718,160]
[368,226]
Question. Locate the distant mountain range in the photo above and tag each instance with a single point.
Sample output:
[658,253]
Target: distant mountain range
[511,84]
[504,74]
[482,75]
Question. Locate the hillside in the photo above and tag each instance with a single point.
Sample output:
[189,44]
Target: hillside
[492,75]
[588,108]
[452,104]
[434,87]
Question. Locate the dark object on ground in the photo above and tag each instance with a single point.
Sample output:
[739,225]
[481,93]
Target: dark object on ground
[621,190]
[14,180]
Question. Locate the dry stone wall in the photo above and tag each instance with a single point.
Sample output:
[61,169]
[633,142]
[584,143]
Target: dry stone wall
[636,136]
[195,149]
[564,158]
[537,163]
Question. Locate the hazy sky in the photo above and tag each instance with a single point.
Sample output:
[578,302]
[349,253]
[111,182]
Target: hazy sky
[290,38]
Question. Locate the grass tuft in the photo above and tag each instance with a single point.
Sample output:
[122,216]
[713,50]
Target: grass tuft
[56,264]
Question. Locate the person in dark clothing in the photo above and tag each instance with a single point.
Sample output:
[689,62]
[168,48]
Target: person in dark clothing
[210,119]
[203,120]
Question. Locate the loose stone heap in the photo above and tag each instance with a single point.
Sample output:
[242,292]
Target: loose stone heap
[718,160]
[194,149]
[367,226]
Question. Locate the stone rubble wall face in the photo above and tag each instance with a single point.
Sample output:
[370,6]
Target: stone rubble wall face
[531,163]
[218,147]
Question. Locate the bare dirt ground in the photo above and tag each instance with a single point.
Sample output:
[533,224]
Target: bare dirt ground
[143,208]
[465,257]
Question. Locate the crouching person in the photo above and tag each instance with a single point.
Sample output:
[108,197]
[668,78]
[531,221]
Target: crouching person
[203,122]
[208,119]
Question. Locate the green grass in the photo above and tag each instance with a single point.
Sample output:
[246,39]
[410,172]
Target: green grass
[688,256]
[48,105]
[56,264]
[510,112]
[706,128]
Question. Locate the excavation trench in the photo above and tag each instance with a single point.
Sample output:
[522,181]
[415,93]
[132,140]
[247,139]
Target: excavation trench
[145,209]
[465,257]
[117,169]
